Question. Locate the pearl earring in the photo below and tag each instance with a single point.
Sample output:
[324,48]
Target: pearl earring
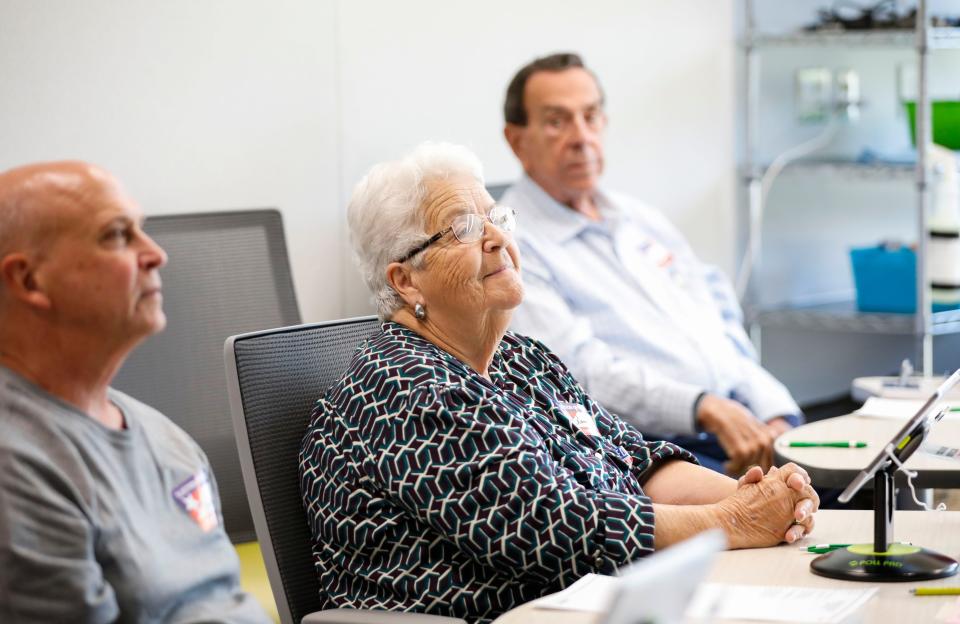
[419,311]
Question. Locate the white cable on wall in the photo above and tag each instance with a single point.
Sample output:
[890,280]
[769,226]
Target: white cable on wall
[806,148]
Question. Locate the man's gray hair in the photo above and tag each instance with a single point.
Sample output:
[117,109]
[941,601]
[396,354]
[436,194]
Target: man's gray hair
[18,228]
[25,190]
[11,223]
[11,226]
[386,217]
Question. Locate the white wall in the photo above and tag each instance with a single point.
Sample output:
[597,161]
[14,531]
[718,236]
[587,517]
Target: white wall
[226,104]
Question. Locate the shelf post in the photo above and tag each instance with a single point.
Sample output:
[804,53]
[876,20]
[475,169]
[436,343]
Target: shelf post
[923,135]
[751,175]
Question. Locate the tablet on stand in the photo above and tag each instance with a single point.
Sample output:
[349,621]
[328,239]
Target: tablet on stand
[884,560]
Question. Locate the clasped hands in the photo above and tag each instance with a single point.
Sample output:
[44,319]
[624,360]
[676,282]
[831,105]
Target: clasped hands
[770,508]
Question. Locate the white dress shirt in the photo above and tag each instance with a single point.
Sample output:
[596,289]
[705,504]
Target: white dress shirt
[642,323]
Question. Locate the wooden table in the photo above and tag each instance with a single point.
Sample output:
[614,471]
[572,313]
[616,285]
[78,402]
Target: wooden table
[836,467]
[787,565]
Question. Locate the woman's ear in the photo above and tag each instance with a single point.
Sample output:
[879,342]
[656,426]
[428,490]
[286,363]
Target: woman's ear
[401,279]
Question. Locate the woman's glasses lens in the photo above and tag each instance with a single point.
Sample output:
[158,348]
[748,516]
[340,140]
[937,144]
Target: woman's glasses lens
[468,228]
[504,218]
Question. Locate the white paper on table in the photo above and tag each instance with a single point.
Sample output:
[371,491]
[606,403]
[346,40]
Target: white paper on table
[932,449]
[592,593]
[890,388]
[654,588]
[918,394]
[900,409]
[949,613]
[720,601]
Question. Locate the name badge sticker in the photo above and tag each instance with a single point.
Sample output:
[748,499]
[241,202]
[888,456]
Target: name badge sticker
[195,496]
[624,456]
[579,418]
[656,253]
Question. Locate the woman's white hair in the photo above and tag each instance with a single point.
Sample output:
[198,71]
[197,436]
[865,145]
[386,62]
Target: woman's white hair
[386,217]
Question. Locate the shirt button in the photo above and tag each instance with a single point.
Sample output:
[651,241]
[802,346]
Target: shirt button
[599,454]
[599,562]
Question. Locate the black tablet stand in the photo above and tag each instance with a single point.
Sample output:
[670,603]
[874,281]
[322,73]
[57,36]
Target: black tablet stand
[884,560]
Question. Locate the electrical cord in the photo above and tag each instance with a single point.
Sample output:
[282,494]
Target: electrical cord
[806,148]
[910,476]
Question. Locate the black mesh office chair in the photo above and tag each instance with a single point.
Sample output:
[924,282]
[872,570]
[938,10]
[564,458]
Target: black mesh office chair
[227,274]
[274,377]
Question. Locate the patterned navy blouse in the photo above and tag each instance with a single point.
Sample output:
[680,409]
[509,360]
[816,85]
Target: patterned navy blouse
[432,489]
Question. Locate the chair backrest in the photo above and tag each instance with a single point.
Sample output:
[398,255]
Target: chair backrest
[497,190]
[227,274]
[274,378]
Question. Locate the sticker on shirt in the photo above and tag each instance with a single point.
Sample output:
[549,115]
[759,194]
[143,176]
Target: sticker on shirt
[623,456]
[580,418]
[196,498]
[656,254]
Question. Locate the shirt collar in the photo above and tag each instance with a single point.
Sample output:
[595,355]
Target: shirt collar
[497,370]
[556,221]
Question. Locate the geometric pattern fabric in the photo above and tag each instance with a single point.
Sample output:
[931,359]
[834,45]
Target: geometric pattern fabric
[429,488]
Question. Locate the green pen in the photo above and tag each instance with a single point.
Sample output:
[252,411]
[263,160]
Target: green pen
[841,444]
[819,549]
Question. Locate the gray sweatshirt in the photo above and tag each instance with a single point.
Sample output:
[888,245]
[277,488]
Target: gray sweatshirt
[99,525]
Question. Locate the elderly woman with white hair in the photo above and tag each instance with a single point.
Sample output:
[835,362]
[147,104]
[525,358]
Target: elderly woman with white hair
[459,469]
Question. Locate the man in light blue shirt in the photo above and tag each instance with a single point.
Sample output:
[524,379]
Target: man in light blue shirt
[615,290]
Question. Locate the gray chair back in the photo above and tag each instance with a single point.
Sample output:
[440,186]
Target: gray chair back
[274,378]
[228,273]
[497,190]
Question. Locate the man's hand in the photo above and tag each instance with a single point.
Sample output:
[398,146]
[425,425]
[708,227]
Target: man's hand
[745,440]
[778,426]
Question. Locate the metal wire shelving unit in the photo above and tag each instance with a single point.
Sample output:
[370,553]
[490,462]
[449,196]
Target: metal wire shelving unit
[844,317]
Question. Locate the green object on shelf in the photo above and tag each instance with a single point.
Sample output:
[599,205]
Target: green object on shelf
[946,122]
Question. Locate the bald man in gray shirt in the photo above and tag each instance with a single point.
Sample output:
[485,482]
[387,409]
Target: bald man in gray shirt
[108,511]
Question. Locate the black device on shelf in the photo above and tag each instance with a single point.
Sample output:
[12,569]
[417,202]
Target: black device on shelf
[883,15]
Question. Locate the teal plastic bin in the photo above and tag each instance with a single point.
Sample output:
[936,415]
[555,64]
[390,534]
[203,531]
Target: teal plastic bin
[885,278]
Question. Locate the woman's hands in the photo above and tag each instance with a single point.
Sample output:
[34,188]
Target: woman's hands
[768,509]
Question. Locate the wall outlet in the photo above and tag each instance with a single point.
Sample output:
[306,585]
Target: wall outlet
[848,94]
[813,94]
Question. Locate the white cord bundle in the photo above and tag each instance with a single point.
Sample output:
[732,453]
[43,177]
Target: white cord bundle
[910,475]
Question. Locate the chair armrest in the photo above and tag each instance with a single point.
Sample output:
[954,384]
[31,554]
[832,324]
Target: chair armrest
[358,616]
